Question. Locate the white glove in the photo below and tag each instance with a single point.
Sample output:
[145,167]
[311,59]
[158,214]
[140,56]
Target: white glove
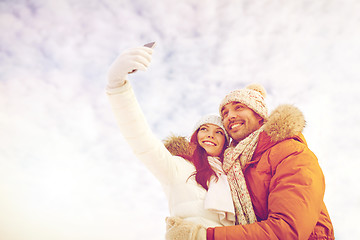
[128,61]
[179,229]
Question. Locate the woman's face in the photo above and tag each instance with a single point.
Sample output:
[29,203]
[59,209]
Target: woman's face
[212,138]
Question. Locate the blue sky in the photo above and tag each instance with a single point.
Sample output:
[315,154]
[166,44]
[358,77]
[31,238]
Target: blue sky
[65,170]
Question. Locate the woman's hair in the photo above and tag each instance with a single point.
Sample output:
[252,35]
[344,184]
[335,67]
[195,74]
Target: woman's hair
[199,157]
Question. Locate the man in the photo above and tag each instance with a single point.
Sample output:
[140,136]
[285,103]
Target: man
[283,179]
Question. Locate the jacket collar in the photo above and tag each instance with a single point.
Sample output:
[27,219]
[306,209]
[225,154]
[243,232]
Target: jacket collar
[285,122]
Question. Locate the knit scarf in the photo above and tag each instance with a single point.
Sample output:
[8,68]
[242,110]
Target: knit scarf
[235,159]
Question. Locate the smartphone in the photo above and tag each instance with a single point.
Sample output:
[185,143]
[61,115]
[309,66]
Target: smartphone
[149,45]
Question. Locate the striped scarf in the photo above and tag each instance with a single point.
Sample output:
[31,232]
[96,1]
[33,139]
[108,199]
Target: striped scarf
[235,159]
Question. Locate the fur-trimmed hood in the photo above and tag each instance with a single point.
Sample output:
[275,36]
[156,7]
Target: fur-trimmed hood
[286,121]
[177,145]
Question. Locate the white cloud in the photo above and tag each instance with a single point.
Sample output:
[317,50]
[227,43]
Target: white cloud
[65,170]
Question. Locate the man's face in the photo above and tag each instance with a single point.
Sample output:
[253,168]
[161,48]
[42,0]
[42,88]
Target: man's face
[239,120]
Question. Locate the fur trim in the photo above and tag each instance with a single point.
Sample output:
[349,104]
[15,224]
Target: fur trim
[285,121]
[177,145]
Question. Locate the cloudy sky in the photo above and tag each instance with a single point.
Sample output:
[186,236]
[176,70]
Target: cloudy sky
[66,173]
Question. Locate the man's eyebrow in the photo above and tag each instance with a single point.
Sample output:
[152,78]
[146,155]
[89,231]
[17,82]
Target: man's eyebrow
[223,108]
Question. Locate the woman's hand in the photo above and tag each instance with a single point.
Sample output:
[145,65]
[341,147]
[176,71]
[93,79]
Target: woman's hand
[128,61]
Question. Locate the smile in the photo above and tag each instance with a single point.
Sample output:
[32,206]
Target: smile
[209,143]
[235,125]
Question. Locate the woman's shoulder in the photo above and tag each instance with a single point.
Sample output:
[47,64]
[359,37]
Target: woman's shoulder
[177,145]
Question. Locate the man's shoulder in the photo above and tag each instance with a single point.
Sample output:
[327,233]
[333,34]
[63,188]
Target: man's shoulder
[285,122]
[286,148]
[289,151]
[282,132]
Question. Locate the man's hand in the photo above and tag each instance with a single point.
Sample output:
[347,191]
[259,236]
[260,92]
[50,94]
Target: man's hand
[128,61]
[179,229]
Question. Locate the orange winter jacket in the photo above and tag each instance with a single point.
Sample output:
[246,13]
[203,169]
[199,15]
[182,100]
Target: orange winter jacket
[286,185]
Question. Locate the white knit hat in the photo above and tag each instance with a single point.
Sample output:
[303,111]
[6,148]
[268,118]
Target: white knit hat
[253,96]
[213,119]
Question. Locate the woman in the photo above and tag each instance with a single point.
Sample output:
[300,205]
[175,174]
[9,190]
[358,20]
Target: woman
[194,183]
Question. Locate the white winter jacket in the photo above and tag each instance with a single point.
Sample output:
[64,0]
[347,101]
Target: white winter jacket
[186,197]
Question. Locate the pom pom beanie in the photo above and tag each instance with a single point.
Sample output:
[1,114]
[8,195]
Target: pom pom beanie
[253,96]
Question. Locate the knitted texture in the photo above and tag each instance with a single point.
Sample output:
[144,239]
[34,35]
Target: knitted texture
[253,96]
[235,159]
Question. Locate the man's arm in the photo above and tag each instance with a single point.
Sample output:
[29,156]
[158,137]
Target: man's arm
[296,194]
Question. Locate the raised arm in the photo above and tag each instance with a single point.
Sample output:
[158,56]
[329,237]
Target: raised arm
[130,118]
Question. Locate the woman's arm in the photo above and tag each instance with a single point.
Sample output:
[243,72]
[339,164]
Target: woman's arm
[130,118]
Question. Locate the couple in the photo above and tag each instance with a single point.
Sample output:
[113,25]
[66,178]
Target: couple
[266,184]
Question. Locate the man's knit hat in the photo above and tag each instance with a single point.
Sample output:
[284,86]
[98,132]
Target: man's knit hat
[213,119]
[253,96]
